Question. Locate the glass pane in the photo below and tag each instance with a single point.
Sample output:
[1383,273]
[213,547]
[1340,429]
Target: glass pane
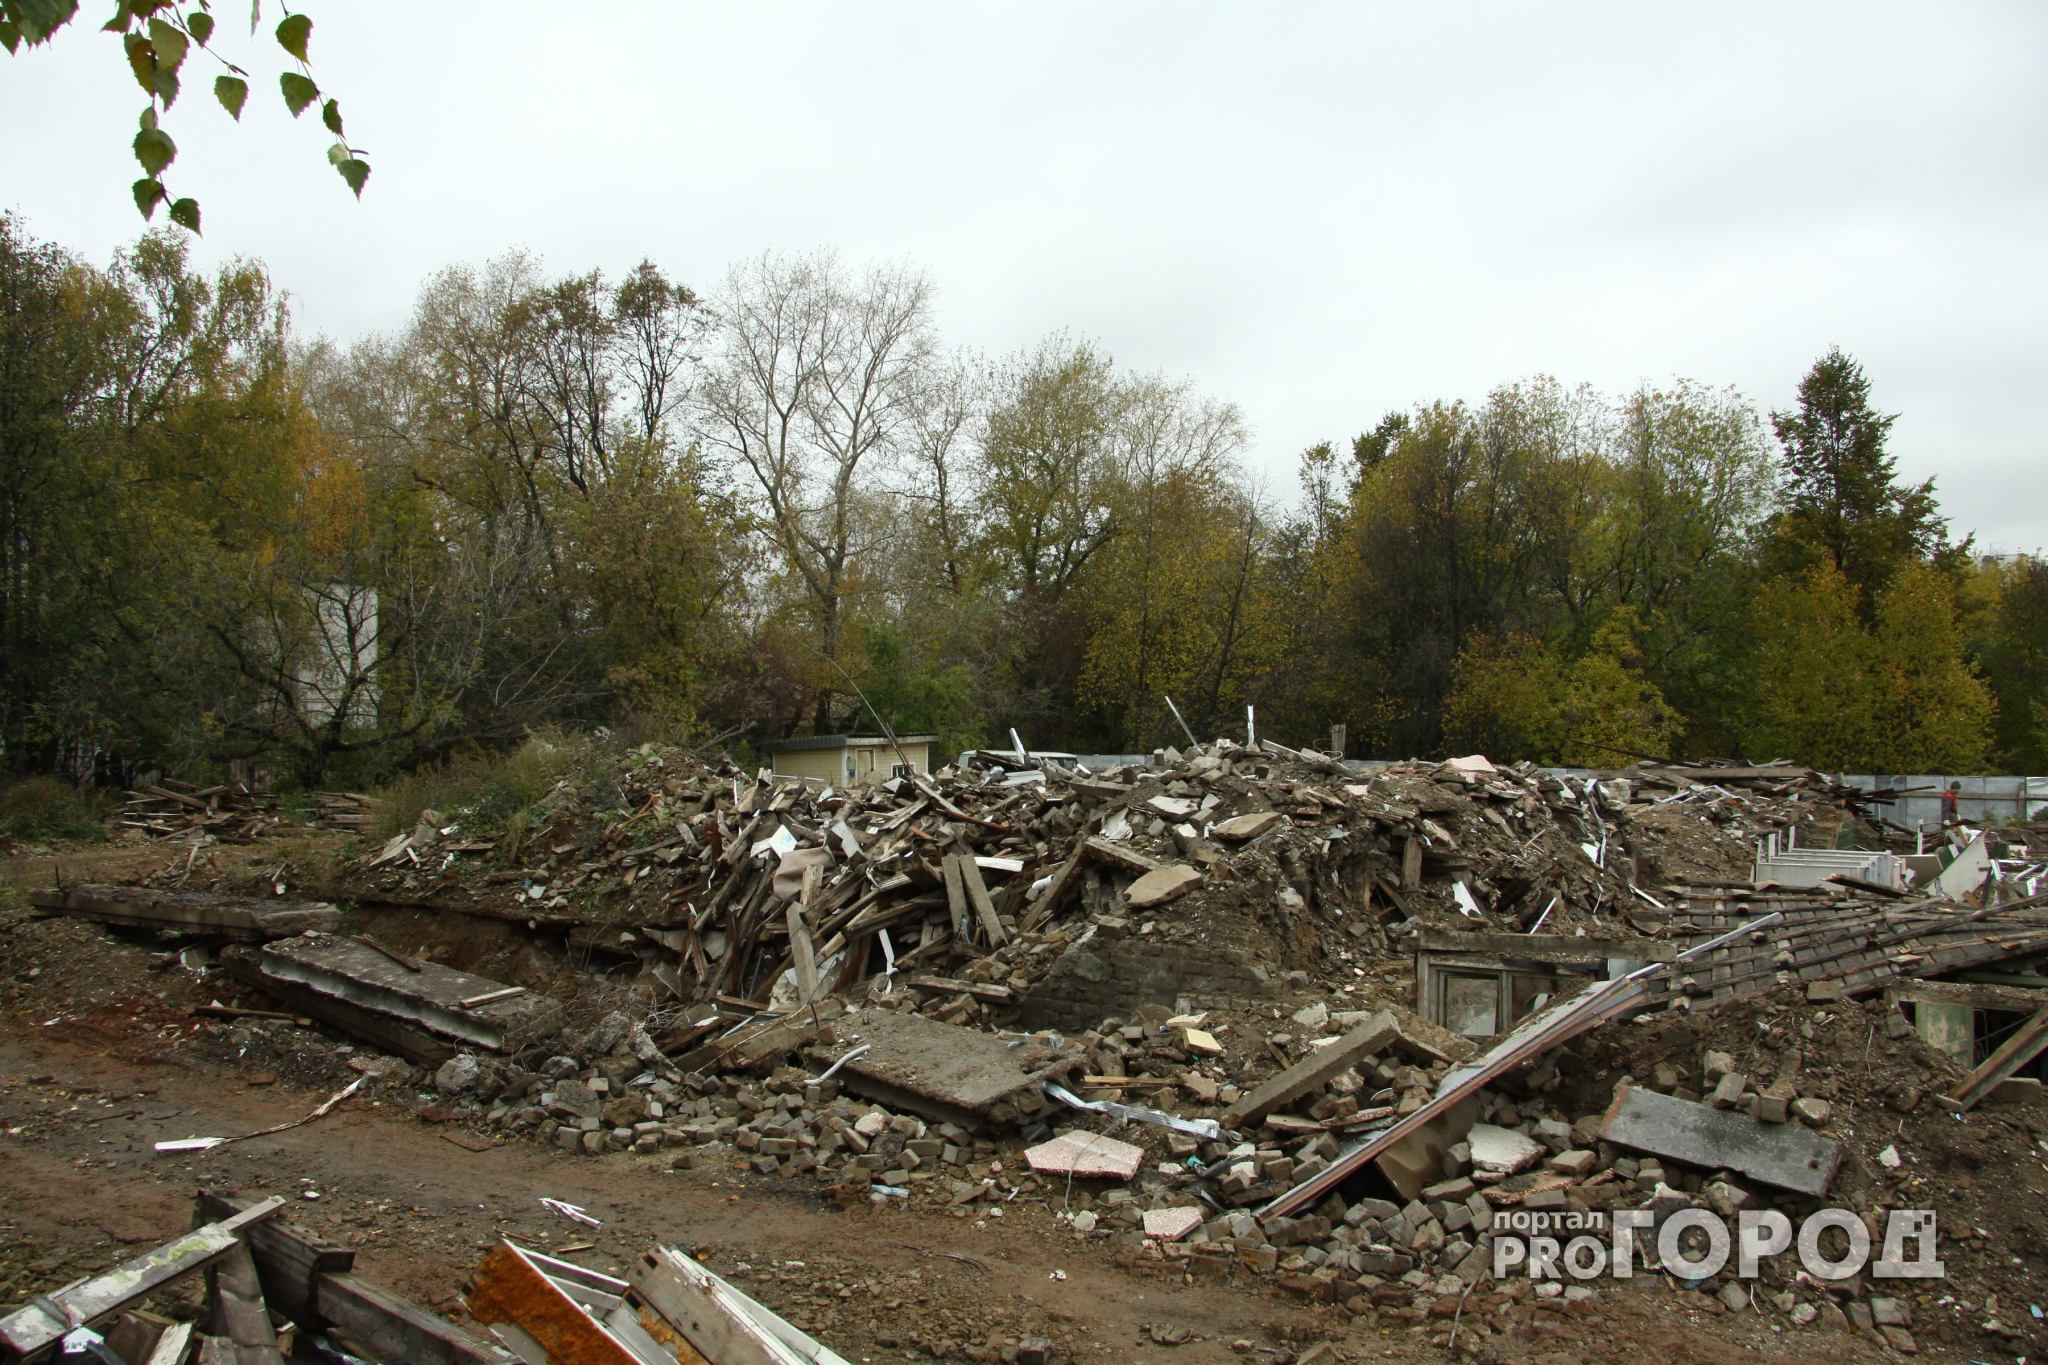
[1472,1005]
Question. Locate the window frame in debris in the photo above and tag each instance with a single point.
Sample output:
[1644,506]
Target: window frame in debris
[1435,971]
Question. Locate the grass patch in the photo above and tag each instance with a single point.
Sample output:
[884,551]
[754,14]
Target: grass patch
[485,793]
[36,809]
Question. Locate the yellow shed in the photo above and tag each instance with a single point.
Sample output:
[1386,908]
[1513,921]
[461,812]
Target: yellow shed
[849,760]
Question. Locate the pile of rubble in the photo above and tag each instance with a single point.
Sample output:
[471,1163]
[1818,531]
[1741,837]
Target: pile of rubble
[1221,1010]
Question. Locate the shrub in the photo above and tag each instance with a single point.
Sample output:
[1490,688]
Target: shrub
[38,808]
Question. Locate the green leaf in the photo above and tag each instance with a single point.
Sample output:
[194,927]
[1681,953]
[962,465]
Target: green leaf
[355,172]
[185,213]
[10,36]
[148,119]
[200,26]
[167,86]
[142,61]
[232,92]
[330,114]
[155,150]
[170,44]
[38,19]
[293,33]
[298,92]
[124,17]
[147,193]
[338,153]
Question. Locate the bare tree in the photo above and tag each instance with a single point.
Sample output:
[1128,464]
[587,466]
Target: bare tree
[811,392]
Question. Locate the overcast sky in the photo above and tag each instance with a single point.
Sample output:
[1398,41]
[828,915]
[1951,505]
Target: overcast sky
[1320,212]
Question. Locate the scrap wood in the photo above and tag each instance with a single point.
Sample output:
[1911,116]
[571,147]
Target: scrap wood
[559,1311]
[219,1011]
[2026,1043]
[405,960]
[48,1318]
[718,1320]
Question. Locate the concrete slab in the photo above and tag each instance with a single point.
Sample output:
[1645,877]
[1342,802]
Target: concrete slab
[1242,827]
[247,919]
[1159,887]
[355,979]
[953,1074]
[1502,1151]
[1171,1225]
[1782,1154]
[1086,1156]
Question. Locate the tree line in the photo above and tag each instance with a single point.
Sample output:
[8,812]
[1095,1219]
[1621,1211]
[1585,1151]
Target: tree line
[784,505]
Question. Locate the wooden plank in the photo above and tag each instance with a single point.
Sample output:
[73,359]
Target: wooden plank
[1048,903]
[984,907]
[1786,1155]
[396,1329]
[90,1301]
[720,1321]
[2026,1043]
[287,1257]
[1317,1069]
[1411,864]
[171,1346]
[800,950]
[956,894]
[239,1313]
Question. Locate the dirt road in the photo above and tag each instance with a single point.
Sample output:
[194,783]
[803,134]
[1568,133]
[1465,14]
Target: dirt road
[82,1188]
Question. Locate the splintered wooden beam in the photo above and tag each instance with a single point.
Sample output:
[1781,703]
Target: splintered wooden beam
[2024,1045]
[978,897]
[956,894]
[800,950]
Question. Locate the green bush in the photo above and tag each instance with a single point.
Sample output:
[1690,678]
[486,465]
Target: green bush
[39,808]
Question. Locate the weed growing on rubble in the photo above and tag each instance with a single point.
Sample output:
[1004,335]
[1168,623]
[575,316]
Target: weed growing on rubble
[489,791]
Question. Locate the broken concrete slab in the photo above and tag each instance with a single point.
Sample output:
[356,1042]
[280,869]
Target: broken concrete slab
[1086,1156]
[1171,1225]
[1317,1069]
[247,919]
[1502,1151]
[1161,885]
[1782,1154]
[943,1071]
[1243,827]
[356,987]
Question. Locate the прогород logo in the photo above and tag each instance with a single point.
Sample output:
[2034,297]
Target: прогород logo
[1694,1244]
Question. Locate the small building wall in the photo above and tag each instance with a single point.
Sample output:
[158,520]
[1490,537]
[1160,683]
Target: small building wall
[870,762]
[820,764]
